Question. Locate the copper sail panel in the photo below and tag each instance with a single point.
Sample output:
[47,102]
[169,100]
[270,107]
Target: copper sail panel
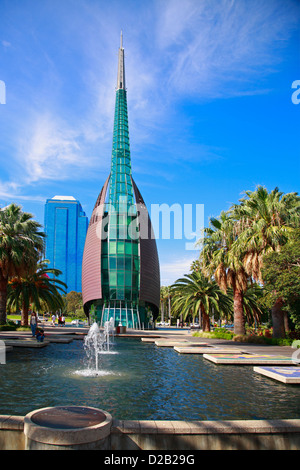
[91,263]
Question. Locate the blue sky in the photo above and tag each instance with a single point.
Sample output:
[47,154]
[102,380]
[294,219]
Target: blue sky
[209,86]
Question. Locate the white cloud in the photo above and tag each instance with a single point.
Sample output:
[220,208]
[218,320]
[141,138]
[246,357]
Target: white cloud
[51,149]
[5,44]
[48,150]
[11,191]
[215,48]
[65,91]
[173,270]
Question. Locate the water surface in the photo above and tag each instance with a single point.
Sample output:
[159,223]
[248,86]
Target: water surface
[141,381]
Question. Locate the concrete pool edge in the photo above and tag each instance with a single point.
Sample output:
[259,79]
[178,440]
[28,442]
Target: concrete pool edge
[280,434]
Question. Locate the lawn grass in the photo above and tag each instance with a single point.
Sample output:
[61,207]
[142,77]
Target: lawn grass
[18,317]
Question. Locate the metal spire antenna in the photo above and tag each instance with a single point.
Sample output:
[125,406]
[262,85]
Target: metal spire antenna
[121,66]
[121,161]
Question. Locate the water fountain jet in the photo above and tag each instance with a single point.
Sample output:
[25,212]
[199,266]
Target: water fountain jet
[96,343]
[108,330]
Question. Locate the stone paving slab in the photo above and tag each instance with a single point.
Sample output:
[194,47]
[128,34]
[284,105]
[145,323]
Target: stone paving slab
[11,422]
[59,339]
[78,336]
[25,343]
[246,359]
[206,427]
[7,348]
[208,349]
[151,339]
[287,375]
[148,427]
[172,344]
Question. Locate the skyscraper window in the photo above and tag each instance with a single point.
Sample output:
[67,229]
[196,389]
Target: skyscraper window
[66,226]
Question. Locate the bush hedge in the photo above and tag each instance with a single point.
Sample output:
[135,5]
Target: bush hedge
[9,326]
[12,326]
[223,333]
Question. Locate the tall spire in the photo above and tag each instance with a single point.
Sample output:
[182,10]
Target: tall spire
[120,268]
[121,66]
[120,176]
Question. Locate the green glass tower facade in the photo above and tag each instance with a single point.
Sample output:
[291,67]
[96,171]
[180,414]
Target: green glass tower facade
[120,253]
[118,210]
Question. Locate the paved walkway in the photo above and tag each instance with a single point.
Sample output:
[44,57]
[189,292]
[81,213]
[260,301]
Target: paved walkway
[164,333]
[188,335]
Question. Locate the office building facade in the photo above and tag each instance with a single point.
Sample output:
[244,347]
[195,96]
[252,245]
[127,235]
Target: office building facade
[120,276]
[66,226]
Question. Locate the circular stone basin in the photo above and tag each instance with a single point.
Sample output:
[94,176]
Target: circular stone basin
[68,417]
[67,426]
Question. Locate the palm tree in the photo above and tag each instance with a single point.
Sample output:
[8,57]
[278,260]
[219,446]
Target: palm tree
[36,289]
[195,293]
[253,309]
[167,296]
[265,221]
[220,262]
[162,303]
[165,302]
[21,244]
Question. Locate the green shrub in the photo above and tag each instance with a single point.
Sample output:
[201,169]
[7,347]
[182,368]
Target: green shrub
[220,333]
[203,334]
[249,339]
[221,330]
[294,334]
[9,326]
[279,341]
[223,333]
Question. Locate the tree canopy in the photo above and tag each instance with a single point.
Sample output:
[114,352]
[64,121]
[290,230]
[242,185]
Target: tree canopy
[281,273]
[35,289]
[21,245]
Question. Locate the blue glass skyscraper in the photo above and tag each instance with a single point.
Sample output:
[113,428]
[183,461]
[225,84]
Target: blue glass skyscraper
[66,226]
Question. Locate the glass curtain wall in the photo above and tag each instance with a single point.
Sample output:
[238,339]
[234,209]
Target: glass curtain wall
[120,251]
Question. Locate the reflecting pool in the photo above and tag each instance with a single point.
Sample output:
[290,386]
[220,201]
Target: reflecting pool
[141,381]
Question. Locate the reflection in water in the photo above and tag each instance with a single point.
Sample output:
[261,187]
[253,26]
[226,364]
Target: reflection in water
[141,381]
